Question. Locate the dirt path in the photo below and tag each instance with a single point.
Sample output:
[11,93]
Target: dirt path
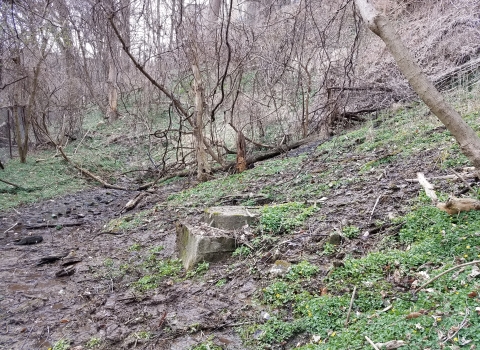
[39,308]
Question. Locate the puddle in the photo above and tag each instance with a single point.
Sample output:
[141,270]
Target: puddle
[58,306]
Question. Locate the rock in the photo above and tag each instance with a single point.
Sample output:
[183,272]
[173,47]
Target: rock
[29,240]
[338,263]
[230,217]
[202,243]
[280,268]
[335,239]
[68,271]
[114,333]
[50,259]
[110,303]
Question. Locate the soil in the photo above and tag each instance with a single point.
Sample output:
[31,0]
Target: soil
[38,308]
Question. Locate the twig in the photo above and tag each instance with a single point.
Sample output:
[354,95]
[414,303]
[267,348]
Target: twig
[10,183]
[373,210]
[8,229]
[459,327]
[443,273]
[371,343]
[351,304]
[463,180]
[76,148]
[162,320]
[445,177]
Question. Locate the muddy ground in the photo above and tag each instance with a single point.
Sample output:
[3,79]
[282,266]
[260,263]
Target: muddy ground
[39,306]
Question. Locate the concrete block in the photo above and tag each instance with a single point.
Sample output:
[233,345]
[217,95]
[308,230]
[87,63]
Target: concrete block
[231,217]
[202,243]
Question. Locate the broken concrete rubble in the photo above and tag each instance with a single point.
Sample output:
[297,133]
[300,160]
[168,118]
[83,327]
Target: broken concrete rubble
[202,243]
[231,217]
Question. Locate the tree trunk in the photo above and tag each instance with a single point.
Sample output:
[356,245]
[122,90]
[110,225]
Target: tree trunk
[203,167]
[112,110]
[241,153]
[466,137]
[214,9]
[21,133]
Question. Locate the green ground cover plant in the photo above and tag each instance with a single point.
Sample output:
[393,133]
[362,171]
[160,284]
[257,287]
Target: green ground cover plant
[283,218]
[431,242]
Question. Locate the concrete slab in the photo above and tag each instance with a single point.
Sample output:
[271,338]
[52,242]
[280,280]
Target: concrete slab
[196,244]
[231,217]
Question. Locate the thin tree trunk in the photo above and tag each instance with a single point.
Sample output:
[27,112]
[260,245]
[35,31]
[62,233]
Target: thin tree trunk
[241,153]
[466,137]
[203,167]
[112,111]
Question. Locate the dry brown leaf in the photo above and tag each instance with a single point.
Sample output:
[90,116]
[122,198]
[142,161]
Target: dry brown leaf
[413,315]
[472,294]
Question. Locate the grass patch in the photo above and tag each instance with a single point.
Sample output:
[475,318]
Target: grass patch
[62,344]
[208,193]
[431,242]
[156,270]
[283,218]
[38,180]
[128,222]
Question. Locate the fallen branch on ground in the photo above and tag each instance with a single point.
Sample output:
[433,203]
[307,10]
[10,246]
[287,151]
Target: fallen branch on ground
[132,203]
[444,273]
[10,183]
[456,205]
[372,343]
[428,187]
[250,160]
[453,205]
[65,224]
[88,173]
[446,177]
[163,177]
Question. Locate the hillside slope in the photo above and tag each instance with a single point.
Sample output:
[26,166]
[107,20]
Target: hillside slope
[129,290]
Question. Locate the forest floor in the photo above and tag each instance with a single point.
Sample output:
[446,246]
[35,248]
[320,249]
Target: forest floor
[122,287]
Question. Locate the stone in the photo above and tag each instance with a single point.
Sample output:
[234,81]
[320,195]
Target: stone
[202,243]
[335,239]
[280,268]
[29,240]
[230,217]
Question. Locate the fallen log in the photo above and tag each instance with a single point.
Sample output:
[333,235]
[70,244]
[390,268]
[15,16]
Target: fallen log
[456,205]
[88,173]
[132,203]
[250,160]
[453,205]
[51,225]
